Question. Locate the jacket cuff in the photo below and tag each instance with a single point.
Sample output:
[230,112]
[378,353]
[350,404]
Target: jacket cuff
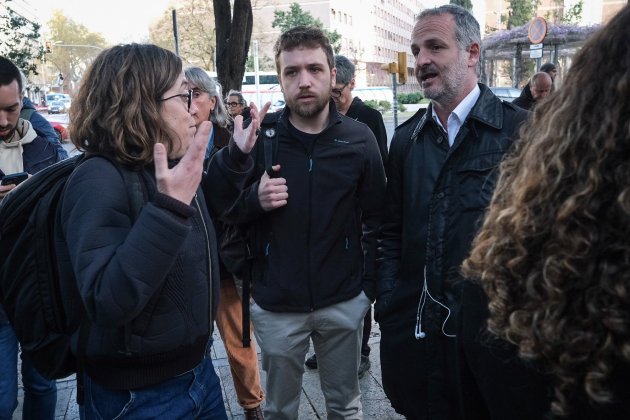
[238,159]
[177,207]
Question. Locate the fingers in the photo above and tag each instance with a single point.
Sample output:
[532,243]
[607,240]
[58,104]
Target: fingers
[160,160]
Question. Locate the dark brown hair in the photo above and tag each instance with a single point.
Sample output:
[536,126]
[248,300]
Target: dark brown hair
[304,36]
[117,110]
[553,254]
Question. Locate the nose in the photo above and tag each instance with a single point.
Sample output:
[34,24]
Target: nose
[3,119]
[304,79]
[421,59]
[193,108]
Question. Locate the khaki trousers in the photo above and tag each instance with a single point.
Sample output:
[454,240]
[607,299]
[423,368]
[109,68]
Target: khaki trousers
[243,361]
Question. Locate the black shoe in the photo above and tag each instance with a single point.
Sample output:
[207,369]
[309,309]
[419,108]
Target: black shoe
[311,362]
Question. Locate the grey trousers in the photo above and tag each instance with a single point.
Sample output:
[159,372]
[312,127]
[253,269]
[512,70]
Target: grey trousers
[284,337]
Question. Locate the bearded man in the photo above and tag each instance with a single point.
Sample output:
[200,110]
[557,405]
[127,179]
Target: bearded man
[315,222]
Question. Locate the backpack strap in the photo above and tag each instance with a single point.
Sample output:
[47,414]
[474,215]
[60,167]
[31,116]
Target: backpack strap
[269,137]
[26,113]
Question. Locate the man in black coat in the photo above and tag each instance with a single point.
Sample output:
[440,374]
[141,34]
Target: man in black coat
[540,87]
[436,358]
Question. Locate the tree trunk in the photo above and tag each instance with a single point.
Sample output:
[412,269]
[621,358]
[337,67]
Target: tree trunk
[234,32]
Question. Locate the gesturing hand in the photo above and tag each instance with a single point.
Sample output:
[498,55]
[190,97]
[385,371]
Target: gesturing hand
[181,181]
[245,139]
[272,192]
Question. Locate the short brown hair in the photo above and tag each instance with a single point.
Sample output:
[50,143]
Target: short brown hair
[304,36]
[117,110]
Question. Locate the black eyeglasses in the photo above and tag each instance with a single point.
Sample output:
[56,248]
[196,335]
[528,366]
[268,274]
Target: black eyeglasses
[232,104]
[185,97]
[337,92]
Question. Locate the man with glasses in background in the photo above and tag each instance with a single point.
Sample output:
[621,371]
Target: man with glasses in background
[236,104]
[354,108]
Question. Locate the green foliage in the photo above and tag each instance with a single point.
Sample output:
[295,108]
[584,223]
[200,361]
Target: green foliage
[371,103]
[520,12]
[466,4]
[574,13]
[296,16]
[409,98]
[402,108]
[385,105]
[19,39]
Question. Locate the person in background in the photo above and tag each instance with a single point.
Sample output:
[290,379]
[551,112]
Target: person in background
[441,172]
[353,107]
[148,278]
[548,68]
[553,254]
[315,217]
[243,361]
[22,149]
[40,124]
[237,105]
[540,87]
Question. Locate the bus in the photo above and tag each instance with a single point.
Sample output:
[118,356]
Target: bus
[268,89]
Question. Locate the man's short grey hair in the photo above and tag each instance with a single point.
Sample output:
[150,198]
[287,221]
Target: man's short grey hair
[466,26]
[345,69]
[199,78]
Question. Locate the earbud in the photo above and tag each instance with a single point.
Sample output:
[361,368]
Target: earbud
[419,333]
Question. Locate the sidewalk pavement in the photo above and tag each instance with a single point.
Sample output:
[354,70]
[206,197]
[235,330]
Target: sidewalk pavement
[375,403]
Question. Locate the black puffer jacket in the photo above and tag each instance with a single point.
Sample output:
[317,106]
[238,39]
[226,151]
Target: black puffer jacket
[149,286]
[435,201]
[309,253]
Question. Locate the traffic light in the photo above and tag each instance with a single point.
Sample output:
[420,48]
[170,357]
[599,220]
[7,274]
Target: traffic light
[61,77]
[389,67]
[48,47]
[402,67]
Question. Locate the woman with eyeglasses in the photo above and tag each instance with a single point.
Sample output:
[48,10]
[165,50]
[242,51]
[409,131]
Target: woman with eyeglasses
[140,241]
[237,105]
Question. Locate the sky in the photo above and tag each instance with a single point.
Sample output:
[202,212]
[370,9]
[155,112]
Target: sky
[119,21]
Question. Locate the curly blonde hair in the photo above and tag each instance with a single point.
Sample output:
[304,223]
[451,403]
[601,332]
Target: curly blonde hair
[553,254]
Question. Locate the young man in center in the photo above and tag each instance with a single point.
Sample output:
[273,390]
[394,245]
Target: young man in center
[315,222]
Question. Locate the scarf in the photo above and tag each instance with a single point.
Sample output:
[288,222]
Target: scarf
[11,150]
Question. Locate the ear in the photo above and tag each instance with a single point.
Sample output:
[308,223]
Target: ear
[351,84]
[474,51]
[333,77]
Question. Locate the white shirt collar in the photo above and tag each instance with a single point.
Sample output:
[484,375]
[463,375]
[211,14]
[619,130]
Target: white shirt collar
[458,116]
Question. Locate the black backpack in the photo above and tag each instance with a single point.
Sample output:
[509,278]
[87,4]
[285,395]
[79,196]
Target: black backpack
[38,291]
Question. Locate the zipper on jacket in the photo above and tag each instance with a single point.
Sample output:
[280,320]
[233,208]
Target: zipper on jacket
[205,231]
[310,226]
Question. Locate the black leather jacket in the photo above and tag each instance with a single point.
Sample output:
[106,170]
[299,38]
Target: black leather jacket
[435,201]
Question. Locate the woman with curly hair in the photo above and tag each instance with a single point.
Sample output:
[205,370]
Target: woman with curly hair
[553,255]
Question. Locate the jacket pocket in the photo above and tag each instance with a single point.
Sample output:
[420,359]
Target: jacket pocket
[477,178]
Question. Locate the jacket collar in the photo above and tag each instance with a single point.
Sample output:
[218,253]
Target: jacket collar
[487,110]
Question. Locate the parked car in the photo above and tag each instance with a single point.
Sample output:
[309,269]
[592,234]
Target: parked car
[506,93]
[57,107]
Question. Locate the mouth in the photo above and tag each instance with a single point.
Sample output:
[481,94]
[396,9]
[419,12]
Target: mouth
[427,76]
[5,131]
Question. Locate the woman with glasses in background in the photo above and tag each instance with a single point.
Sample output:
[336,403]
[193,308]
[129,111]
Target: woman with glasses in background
[237,105]
[144,259]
